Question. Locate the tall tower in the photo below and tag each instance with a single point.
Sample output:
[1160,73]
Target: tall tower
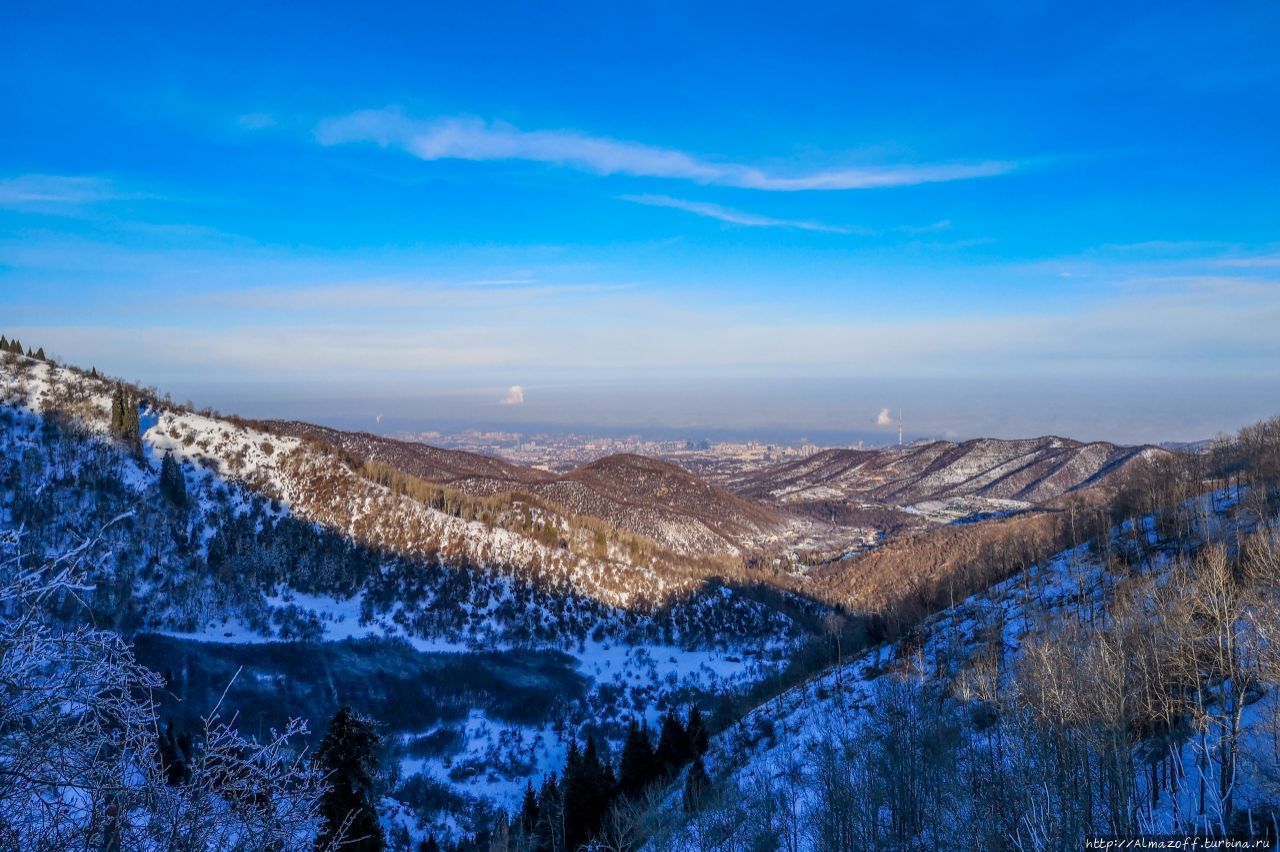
[899,427]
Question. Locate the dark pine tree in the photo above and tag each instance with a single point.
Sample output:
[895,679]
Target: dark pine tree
[696,728]
[529,811]
[587,790]
[674,749]
[175,757]
[429,845]
[132,426]
[117,410]
[695,786]
[124,417]
[348,756]
[173,485]
[638,767]
[572,785]
[550,832]
[600,788]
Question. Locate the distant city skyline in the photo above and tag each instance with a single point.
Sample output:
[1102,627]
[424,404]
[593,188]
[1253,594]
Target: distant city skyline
[1005,219]
[1153,411]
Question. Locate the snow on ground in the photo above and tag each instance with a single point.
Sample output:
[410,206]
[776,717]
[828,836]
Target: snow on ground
[952,509]
[229,465]
[229,631]
[493,760]
[777,736]
[807,493]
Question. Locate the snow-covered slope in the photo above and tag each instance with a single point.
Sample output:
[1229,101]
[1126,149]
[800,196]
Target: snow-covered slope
[651,498]
[944,693]
[321,487]
[942,480]
[280,540]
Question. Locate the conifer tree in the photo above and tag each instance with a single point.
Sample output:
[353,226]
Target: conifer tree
[173,485]
[571,785]
[550,834]
[696,785]
[638,767]
[124,417]
[586,790]
[601,786]
[117,409]
[40,354]
[4,343]
[696,729]
[529,811]
[674,749]
[132,426]
[348,756]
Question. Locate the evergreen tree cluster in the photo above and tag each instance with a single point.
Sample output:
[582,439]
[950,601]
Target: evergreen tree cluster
[15,346]
[569,811]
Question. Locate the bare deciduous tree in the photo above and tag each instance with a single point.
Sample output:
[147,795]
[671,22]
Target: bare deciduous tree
[79,760]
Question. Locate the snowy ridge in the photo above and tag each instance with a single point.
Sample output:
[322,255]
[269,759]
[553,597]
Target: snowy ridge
[318,487]
[1023,472]
[648,497]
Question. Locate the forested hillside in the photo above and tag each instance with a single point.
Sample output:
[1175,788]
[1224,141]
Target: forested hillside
[1127,685]
[486,634]
[535,678]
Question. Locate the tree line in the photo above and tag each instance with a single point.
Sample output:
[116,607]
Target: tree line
[15,346]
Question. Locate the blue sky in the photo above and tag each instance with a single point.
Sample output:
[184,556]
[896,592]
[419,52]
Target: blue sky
[1004,217]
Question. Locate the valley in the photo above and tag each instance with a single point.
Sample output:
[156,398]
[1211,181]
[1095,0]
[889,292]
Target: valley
[492,617]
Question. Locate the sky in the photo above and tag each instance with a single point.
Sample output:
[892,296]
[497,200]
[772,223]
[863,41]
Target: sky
[998,218]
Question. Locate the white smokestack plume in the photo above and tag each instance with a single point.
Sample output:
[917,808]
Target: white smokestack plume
[885,418]
[515,396]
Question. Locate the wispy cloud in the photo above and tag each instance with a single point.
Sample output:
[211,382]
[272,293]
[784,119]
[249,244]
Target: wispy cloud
[461,138]
[48,192]
[736,217]
[256,120]
[753,220]
[1164,247]
[402,301]
[503,282]
[1256,262]
[932,228]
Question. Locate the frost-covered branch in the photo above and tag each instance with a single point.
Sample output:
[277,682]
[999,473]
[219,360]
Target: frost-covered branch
[80,765]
